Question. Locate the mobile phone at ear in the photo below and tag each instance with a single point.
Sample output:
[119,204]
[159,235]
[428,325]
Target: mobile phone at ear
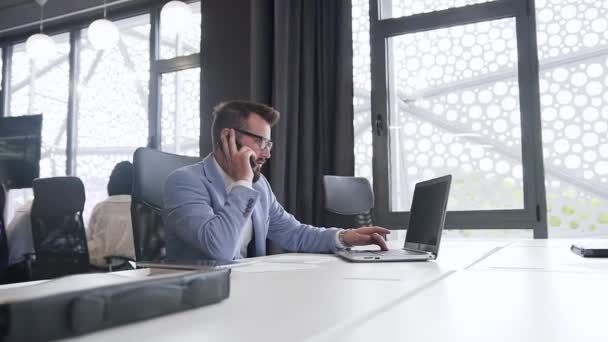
[251,158]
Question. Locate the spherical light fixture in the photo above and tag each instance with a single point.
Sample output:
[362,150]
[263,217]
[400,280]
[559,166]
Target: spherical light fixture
[40,48]
[103,34]
[175,17]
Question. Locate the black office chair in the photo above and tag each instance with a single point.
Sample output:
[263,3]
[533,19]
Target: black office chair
[151,168]
[351,197]
[58,228]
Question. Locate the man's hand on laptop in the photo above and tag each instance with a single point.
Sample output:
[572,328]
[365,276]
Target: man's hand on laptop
[366,236]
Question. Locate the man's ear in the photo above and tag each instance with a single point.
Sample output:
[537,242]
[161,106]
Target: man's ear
[223,134]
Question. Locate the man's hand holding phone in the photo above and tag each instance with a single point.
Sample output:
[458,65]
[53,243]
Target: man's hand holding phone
[238,158]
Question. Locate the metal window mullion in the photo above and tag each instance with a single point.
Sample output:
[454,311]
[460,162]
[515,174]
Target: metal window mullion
[72,114]
[178,63]
[379,116]
[445,18]
[529,98]
[7,52]
[154,104]
[484,219]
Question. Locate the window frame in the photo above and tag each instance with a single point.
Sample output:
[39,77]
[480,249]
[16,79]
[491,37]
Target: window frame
[534,214]
[7,51]
[157,68]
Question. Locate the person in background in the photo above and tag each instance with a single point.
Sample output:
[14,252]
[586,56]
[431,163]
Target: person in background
[20,240]
[110,230]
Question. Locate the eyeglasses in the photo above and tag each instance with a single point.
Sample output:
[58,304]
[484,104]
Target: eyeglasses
[263,143]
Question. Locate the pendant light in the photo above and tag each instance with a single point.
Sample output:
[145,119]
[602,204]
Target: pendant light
[102,33]
[175,17]
[39,47]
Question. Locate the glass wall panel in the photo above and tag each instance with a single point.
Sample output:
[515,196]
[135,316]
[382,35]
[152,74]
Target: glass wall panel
[362,90]
[112,107]
[454,109]
[573,54]
[181,37]
[180,118]
[403,8]
[42,87]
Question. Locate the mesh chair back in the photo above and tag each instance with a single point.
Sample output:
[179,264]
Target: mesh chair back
[58,228]
[151,168]
[349,196]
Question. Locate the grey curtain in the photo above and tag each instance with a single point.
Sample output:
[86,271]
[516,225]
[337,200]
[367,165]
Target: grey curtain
[306,47]
[295,55]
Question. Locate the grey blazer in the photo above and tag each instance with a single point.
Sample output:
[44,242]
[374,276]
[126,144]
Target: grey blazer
[202,221]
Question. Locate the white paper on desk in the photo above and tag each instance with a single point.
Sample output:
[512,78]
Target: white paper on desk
[302,259]
[262,267]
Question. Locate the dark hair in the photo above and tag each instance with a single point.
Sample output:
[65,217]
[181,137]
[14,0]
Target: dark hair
[121,179]
[234,114]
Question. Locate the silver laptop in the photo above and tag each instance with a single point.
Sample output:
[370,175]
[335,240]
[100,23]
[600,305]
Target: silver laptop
[427,217]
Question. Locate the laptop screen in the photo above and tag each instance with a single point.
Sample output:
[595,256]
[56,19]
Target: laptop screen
[427,214]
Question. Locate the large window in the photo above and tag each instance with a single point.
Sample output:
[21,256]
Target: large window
[179,75]
[99,106]
[454,93]
[573,54]
[404,8]
[180,123]
[449,115]
[41,87]
[186,40]
[112,106]
[454,105]
[362,90]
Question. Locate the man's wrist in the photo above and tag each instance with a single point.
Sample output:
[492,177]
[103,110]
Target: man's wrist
[244,183]
[341,239]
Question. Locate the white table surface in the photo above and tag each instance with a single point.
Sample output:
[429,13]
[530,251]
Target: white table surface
[300,304]
[531,290]
[476,290]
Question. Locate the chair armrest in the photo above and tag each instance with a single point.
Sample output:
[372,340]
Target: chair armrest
[29,259]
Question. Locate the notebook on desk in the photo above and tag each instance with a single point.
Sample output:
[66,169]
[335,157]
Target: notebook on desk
[427,217]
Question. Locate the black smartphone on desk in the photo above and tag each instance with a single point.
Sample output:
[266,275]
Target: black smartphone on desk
[590,252]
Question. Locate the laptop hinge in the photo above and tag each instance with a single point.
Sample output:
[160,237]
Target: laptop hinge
[417,251]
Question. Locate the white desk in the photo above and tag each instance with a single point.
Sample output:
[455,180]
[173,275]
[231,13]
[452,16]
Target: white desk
[300,304]
[466,293]
[528,291]
[545,255]
[514,305]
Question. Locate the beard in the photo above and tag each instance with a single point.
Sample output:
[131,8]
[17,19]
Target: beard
[257,172]
[256,176]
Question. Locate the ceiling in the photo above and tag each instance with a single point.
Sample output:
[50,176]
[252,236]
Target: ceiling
[12,3]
